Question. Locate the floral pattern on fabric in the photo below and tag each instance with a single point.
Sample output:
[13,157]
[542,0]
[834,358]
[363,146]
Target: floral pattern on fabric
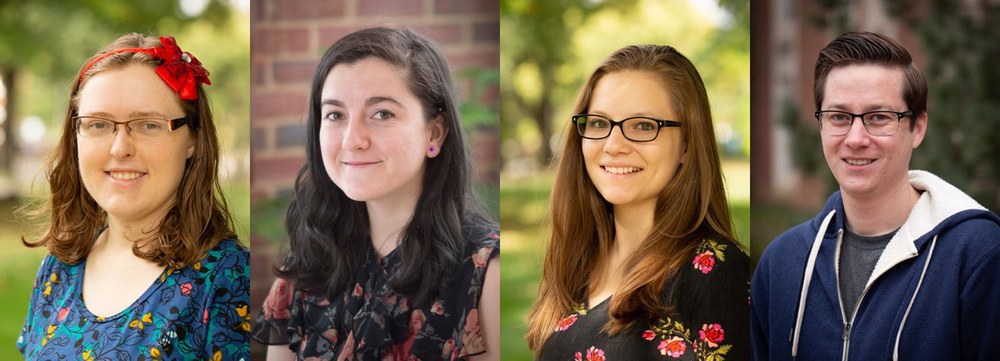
[710,319]
[197,312]
[371,321]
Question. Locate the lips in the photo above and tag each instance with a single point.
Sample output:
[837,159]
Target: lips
[621,170]
[125,176]
[859,162]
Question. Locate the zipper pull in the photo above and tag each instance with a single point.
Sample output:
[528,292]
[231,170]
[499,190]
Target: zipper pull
[847,331]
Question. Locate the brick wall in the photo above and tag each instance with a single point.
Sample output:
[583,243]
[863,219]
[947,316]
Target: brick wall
[287,39]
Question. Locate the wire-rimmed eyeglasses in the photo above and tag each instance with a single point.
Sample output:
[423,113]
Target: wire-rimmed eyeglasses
[146,127]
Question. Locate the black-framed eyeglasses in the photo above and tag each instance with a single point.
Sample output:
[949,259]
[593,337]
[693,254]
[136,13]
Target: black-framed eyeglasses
[879,123]
[148,127]
[636,129]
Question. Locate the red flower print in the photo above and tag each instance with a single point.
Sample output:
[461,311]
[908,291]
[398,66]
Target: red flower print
[648,335]
[595,354]
[357,290]
[437,308]
[186,289]
[331,335]
[276,306]
[62,314]
[578,357]
[472,337]
[482,257]
[564,324]
[674,347]
[447,348]
[204,318]
[704,262]
[712,334]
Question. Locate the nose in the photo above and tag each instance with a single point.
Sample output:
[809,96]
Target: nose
[616,142]
[356,135]
[122,145]
[857,136]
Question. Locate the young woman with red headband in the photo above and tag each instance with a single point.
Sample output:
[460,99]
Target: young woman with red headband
[143,262]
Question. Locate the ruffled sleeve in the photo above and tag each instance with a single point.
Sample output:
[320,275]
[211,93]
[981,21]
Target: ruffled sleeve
[271,327]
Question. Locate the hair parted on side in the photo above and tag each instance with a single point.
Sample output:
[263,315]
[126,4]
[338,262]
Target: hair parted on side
[859,48]
[329,232]
[197,221]
[692,206]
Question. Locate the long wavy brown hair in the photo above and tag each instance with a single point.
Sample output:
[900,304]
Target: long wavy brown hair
[692,206]
[197,221]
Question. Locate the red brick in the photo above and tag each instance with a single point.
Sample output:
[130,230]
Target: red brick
[294,71]
[330,34]
[442,34]
[482,58]
[271,169]
[486,32]
[280,104]
[256,11]
[257,73]
[307,9]
[467,6]
[384,7]
[270,41]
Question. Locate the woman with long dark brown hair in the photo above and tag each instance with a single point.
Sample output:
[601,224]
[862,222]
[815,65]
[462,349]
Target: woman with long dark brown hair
[641,263]
[143,262]
[389,259]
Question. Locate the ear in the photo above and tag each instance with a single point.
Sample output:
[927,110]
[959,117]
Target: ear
[438,131]
[190,148]
[919,129]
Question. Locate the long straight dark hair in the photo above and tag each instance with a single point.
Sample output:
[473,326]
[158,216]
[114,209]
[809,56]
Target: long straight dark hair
[329,232]
[692,206]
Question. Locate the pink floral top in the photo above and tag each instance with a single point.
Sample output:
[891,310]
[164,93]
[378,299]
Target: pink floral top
[371,321]
[711,319]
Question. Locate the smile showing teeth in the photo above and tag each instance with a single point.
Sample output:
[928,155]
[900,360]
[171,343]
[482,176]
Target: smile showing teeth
[622,170]
[125,175]
[859,161]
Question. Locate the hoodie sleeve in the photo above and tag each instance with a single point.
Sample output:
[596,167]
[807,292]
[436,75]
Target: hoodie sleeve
[979,328]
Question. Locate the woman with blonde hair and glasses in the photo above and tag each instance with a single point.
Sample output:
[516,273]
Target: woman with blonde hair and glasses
[143,262]
[641,262]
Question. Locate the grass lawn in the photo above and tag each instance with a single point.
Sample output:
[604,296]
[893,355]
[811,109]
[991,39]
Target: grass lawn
[19,264]
[524,208]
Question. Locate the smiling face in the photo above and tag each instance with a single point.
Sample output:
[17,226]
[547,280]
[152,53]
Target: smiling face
[630,173]
[132,179]
[864,164]
[373,134]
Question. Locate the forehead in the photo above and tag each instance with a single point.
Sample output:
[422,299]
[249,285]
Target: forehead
[128,89]
[864,87]
[631,93]
[358,81]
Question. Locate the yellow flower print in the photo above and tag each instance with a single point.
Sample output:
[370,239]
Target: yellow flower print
[217,356]
[54,278]
[245,314]
[49,333]
[147,319]
[154,353]
[88,355]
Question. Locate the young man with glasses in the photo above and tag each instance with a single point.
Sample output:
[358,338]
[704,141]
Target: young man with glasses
[899,264]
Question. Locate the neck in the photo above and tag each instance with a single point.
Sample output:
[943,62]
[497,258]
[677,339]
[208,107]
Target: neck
[120,236]
[878,214]
[632,226]
[387,220]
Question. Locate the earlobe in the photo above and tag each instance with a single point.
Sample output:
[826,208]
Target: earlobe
[438,132]
[190,150]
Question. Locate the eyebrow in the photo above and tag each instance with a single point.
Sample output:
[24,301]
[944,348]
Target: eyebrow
[869,108]
[132,115]
[368,102]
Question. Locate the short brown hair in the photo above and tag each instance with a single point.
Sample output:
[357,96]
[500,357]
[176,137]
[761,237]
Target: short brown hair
[194,224]
[855,48]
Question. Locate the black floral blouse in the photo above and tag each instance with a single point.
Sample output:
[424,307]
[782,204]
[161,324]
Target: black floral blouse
[710,322]
[370,321]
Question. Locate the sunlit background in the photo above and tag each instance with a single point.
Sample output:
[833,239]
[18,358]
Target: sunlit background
[43,44]
[547,50]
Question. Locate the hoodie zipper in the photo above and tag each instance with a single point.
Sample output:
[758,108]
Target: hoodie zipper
[847,323]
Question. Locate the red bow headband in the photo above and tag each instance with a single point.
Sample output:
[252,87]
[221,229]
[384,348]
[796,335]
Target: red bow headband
[180,70]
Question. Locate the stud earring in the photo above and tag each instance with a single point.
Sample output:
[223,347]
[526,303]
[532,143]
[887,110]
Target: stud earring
[432,149]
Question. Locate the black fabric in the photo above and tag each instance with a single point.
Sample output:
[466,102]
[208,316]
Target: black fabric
[710,294]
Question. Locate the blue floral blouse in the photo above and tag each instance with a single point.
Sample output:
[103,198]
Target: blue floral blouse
[197,312]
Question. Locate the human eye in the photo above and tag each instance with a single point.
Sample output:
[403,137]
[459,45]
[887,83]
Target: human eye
[838,117]
[334,116]
[643,125]
[596,122]
[383,115]
[881,117]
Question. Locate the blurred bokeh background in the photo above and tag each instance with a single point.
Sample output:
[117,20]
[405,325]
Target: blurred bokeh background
[547,50]
[43,44]
[290,36]
[955,44]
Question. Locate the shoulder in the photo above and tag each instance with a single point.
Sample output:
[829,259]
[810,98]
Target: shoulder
[227,253]
[714,256]
[482,242]
[793,243]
